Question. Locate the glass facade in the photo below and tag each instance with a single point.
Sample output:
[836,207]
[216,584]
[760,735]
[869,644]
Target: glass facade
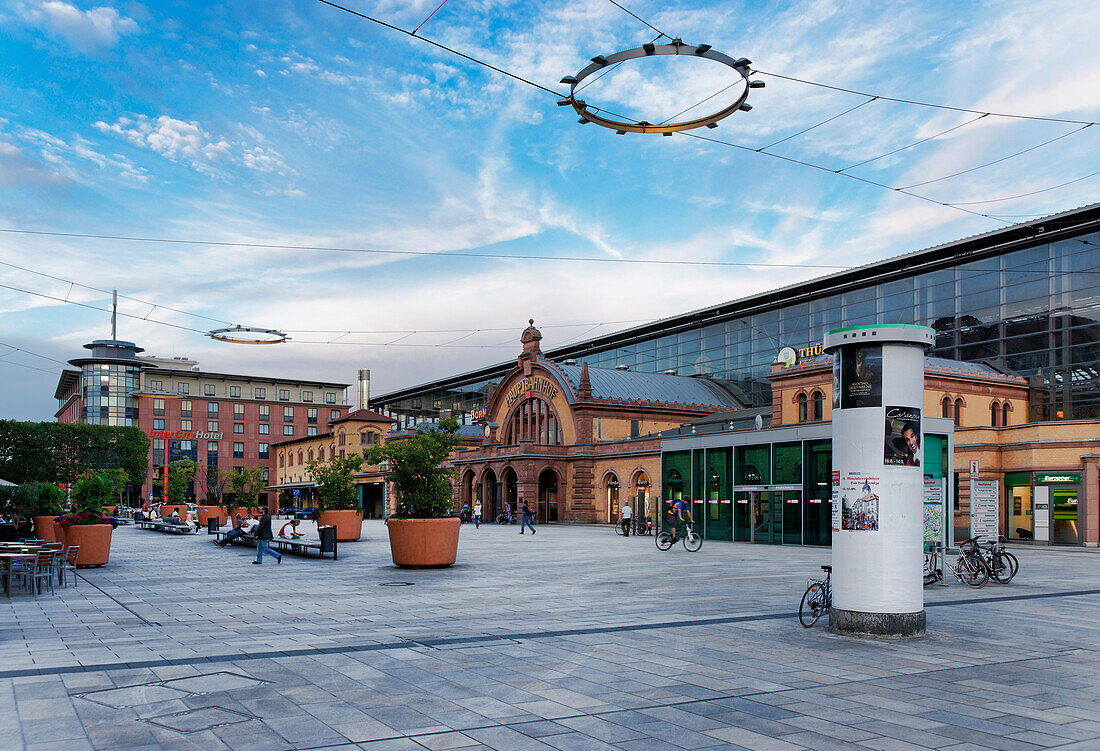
[1032,311]
[108,392]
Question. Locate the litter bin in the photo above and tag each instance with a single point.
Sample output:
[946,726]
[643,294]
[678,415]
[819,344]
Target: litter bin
[328,540]
[213,525]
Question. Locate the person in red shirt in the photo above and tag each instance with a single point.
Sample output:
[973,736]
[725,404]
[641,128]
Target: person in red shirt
[293,524]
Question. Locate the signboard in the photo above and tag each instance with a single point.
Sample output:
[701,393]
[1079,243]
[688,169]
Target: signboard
[531,383]
[973,467]
[933,510]
[1073,478]
[297,492]
[186,435]
[984,507]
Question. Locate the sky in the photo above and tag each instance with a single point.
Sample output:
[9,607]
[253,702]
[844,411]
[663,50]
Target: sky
[297,124]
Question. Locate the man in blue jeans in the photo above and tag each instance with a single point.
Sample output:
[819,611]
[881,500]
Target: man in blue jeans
[263,540]
[528,521]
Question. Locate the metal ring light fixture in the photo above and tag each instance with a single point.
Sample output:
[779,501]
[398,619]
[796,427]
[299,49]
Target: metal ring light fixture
[677,47]
[241,334]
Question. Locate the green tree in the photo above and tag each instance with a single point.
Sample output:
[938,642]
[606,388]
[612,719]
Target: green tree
[90,492]
[38,499]
[180,474]
[335,478]
[60,452]
[119,479]
[421,482]
[246,483]
[214,481]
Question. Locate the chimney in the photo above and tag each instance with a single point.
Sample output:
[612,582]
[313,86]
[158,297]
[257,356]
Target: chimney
[364,388]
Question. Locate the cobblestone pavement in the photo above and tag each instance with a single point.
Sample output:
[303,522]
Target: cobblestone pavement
[572,639]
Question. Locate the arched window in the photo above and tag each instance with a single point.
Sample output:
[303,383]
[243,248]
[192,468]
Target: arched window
[341,438]
[282,459]
[534,420]
[958,411]
[310,457]
[321,453]
[819,406]
[802,416]
[994,413]
[290,459]
[300,457]
[674,483]
[1005,409]
[612,482]
[946,405]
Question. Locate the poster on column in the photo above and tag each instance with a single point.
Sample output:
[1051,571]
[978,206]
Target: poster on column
[859,508]
[835,507]
[861,376]
[902,445]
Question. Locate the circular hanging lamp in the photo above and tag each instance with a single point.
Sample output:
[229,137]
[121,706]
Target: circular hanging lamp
[248,335]
[676,47]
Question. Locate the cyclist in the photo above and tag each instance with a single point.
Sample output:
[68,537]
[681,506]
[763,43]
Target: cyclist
[676,511]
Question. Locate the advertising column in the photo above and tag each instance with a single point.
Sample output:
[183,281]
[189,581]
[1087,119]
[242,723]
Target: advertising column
[878,484]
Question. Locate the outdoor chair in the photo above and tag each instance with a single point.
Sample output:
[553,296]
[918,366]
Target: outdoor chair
[43,572]
[68,564]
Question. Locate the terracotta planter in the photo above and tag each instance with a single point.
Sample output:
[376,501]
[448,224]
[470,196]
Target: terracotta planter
[45,528]
[109,510]
[423,543]
[94,541]
[59,533]
[349,524]
[166,511]
[207,512]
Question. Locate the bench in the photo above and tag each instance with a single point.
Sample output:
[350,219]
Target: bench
[179,529]
[285,545]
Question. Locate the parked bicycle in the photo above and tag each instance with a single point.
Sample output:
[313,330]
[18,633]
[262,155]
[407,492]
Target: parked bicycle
[503,518]
[692,539]
[970,567]
[817,599]
[1002,565]
[643,526]
[933,568]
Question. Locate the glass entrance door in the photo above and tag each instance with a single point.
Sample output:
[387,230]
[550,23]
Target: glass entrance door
[767,517]
[742,517]
[792,517]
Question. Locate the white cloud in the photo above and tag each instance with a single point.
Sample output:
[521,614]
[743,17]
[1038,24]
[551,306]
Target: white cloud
[88,31]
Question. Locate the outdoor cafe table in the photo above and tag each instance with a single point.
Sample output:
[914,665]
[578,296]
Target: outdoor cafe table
[10,558]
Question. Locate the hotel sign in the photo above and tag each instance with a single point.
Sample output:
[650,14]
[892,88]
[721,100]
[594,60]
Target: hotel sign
[184,435]
[530,383]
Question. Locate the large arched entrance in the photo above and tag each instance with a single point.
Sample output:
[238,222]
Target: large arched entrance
[509,487]
[467,491]
[640,497]
[488,493]
[611,482]
[548,496]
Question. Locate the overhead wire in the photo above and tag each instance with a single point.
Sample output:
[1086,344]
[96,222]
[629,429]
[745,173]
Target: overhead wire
[818,125]
[918,142]
[1025,195]
[634,15]
[429,17]
[28,352]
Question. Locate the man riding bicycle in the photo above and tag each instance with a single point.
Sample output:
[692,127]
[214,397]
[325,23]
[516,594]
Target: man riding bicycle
[676,511]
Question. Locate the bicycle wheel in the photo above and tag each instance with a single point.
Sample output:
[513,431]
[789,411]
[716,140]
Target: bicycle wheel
[663,540]
[1005,566]
[973,571]
[812,605]
[693,541]
[619,529]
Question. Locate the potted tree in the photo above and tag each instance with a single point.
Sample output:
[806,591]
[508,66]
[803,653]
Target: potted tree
[423,533]
[246,484]
[85,525]
[214,487]
[43,502]
[180,474]
[118,477]
[337,496]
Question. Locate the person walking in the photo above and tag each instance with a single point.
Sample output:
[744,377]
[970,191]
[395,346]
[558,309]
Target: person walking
[263,540]
[477,515]
[528,520]
[624,518]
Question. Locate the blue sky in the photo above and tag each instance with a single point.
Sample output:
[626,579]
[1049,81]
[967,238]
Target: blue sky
[294,123]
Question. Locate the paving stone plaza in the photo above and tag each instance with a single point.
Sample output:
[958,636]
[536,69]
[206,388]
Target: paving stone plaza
[572,639]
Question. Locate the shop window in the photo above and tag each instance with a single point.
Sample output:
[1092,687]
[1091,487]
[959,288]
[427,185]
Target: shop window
[818,413]
[158,407]
[208,389]
[803,415]
[612,497]
[185,408]
[265,429]
[958,411]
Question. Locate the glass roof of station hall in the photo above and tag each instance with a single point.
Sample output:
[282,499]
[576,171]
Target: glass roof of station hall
[628,385]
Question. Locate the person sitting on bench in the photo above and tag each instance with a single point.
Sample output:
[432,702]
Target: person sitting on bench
[240,528]
[293,533]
